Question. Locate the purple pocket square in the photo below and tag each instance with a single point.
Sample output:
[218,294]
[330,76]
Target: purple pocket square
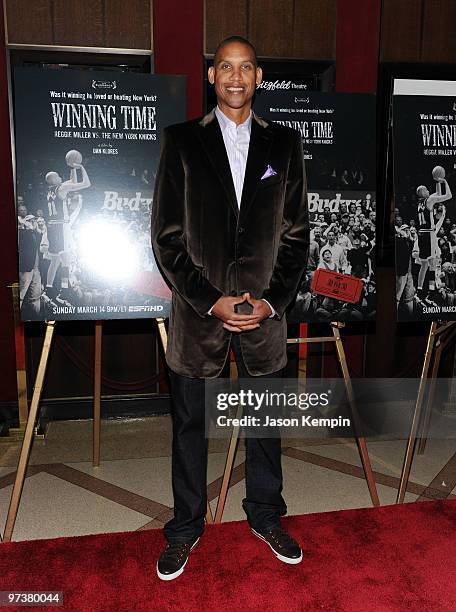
[269,172]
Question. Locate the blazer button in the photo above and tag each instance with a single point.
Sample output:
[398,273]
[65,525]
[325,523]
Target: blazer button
[241,261]
[241,230]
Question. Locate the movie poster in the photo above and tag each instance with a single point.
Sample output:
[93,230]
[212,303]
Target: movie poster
[87,148]
[424,138]
[338,137]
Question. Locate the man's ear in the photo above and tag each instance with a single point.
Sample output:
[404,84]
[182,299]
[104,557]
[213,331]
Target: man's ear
[259,75]
[211,75]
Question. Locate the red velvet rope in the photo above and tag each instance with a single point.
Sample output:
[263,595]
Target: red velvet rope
[87,369]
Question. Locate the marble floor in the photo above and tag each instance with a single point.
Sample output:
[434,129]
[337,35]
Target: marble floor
[64,495]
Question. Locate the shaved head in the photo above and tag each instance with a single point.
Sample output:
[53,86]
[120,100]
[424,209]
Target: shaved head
[235,76]
[234,39]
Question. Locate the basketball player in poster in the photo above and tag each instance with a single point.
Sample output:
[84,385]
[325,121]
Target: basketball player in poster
[427,231]
[59,214]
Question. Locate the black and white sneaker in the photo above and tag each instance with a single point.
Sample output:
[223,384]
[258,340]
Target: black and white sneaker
[174,559]
[282,544]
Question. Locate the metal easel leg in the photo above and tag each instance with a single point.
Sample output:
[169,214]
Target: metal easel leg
[209,517]
[97,395]
[416,416]
[162,332]
[28,436]
[228,469]
[426,419]
[361,442]
[451,403]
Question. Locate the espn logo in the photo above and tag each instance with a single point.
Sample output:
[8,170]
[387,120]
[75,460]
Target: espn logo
[156,308]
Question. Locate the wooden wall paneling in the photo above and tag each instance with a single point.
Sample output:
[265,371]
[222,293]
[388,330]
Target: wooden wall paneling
[29,22]
[128,24]
[179,46]
[224,18]
[314,36]
[270,27]
[439,31]
[401,30]
[357,45]
[79,23]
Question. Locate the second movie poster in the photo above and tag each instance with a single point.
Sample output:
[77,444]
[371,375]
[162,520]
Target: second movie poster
[338,138]
[424,132]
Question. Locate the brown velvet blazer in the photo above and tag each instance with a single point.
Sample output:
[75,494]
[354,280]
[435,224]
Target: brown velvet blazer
[206,247]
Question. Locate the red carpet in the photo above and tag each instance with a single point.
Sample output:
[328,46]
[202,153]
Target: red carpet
[392,558]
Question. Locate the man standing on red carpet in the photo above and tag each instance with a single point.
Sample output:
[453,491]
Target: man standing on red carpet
[230,232]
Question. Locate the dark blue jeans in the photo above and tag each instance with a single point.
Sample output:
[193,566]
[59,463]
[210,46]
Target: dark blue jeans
[263,503]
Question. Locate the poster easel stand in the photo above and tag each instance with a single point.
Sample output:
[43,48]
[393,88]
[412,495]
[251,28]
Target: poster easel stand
[439,335]
[361,443]
[33,413]
[28,435]
[447,336]
[32,416]
[164,341]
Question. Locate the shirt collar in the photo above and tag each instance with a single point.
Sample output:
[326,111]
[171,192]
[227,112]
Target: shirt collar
[225,122]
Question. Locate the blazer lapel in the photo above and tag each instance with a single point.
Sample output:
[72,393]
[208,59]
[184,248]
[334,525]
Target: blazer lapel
[260,145]
[212,141]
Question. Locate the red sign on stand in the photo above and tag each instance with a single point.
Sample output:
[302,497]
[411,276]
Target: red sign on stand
[339,286]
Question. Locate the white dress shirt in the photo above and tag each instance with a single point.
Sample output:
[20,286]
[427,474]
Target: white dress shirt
[237,141]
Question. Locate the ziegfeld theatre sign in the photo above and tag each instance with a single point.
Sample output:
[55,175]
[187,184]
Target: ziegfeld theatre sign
[87,149]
